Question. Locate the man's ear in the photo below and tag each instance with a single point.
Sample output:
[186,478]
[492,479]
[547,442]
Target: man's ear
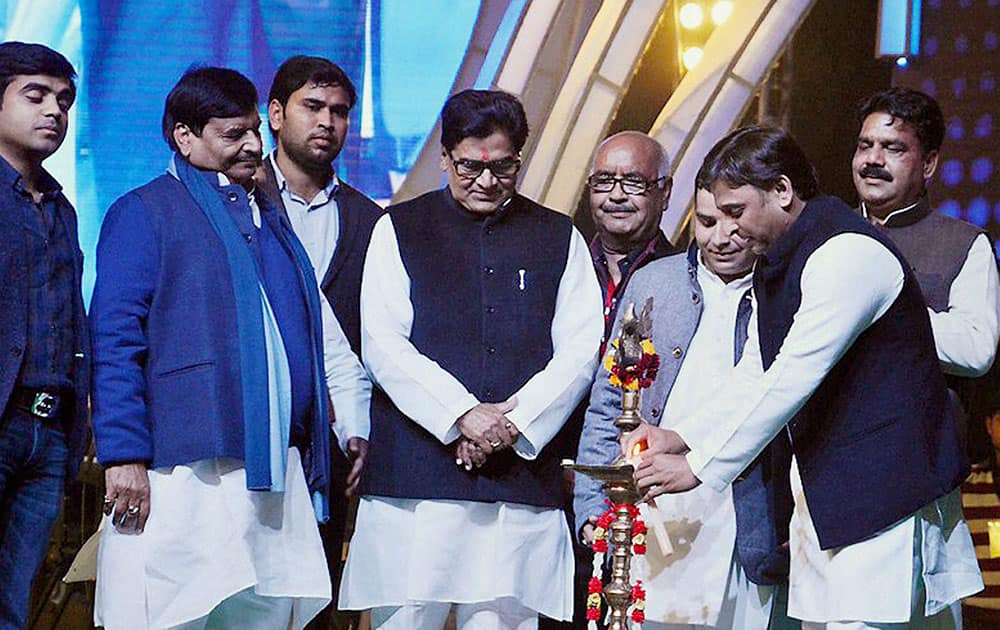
[275,115]
[182,138]
[930,163]
[445,160]
[783,191]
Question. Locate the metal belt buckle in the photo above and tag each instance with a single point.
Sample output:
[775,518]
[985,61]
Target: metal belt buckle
[44,405]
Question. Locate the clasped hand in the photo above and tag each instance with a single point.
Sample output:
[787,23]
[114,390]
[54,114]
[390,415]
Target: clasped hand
[485,429]
[662,467]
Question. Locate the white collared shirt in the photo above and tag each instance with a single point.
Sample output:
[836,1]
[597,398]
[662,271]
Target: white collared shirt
[316,222]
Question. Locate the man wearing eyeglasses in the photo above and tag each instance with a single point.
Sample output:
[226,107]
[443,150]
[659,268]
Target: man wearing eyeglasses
[629,190]
[480,322]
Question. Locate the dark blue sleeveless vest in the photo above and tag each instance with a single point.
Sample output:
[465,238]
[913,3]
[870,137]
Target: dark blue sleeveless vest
[483,291]
[877,440]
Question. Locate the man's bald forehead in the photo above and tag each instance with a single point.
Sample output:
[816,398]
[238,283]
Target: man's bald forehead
[639,143]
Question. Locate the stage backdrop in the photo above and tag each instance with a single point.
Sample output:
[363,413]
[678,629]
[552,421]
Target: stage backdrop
[401,55]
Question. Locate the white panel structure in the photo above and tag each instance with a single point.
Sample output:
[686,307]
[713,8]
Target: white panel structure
[587,101]
[712,97]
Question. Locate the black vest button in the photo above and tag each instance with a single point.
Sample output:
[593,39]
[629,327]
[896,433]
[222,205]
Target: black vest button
[678,352]
[249,237]
[491,350]
[16,351]
[491,310]
[233,197]
[488,270]
[695,298]
[654,412]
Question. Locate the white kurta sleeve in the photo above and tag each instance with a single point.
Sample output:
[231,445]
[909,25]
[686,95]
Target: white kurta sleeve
[966,334]
[417,385]
[547,399]
[348,383]
[847,284]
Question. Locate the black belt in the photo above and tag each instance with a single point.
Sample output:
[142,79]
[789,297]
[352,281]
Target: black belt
[41,403]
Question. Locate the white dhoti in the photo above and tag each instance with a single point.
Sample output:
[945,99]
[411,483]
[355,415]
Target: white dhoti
[514,560]
[208,539]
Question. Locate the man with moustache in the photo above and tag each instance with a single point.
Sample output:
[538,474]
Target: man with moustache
[45,358]
[629,189]
[840,356]
[480,324]
[308,112]
[214,358]
[898,150]
[735,548]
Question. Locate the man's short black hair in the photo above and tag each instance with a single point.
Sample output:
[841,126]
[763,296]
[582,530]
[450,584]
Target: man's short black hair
[301,70]
[915,108]
[204,93]
[19,58]
[759,156]
[479,113]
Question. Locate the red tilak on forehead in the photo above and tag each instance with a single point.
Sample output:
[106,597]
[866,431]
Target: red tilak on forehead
[484,155]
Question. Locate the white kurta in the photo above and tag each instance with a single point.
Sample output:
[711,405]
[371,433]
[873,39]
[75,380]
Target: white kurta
[847,284]
[460,551]
[208,538]
[689,586]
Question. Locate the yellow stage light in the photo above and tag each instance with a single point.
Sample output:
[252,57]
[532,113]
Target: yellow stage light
[691,56]
[721,11]
[691,15]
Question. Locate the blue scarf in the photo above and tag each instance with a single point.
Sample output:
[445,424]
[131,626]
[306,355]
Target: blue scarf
[266,384]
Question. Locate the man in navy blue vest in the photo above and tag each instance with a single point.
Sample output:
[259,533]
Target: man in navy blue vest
[44,347]
[840,357]
[898,150]
[214,358]
[309,107]
[480,326]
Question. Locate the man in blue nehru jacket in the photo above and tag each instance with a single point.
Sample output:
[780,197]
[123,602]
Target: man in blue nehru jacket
[480,323]
[841,357]
[214,357]
[44,347]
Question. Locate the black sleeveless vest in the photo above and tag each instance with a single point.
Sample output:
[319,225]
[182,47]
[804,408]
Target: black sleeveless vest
[483,291]
[877,440]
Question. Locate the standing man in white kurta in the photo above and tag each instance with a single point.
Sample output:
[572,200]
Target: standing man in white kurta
[841,356]
[481,320]
[899,145]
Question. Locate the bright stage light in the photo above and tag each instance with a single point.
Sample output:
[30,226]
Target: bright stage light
[902,62]
[691,15]
[691,56]
[721,11]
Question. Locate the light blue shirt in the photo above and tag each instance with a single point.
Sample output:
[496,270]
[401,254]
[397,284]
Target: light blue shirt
[315,222]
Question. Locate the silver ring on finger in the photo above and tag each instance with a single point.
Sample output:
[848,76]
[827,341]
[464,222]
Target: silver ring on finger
[133,510]
[495,444]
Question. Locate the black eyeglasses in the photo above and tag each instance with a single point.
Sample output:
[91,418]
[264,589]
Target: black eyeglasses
[504,168]
[631,184]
